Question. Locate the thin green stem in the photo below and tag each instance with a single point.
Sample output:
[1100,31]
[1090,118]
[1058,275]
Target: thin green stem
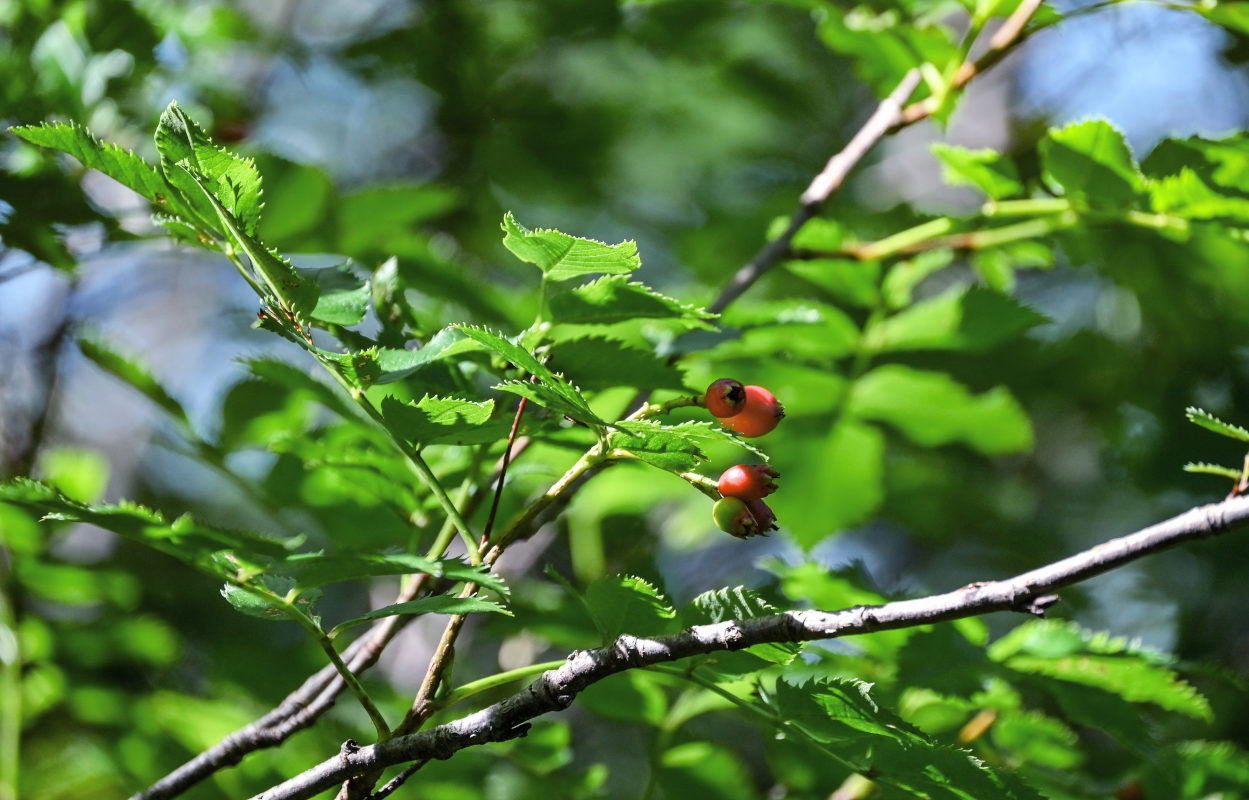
[233,255]
[493,681]
[349,677]
[703,484]
[415,463]
[648,410]
[447,532]
[589,460]
[1029,207]
[900,241]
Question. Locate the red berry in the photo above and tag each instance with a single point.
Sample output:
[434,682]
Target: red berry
[748,481]
[760,415]
[725,397]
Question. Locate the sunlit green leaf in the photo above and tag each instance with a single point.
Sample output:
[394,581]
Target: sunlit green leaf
[442,420]
[561,256]
[343,298]
[738,603]
[1205,419]
[1068,652]
[551,391]
[291,290]
[622,604]
[184,538]
[317,569]
[595,364]
[615,299]
[1185,195]
[988,170]
[931,409]
[437,604]
[1091,160]
[133,373]
[958,319]
[231,179]
[121,165]
[1213,469]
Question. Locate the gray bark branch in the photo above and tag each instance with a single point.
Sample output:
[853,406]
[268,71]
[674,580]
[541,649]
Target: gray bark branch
[1029,592]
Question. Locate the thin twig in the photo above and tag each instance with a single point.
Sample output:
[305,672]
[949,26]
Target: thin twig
[885,117]
[506,460]
[1002,42]
[1029,592]
[299,710]
[397,781]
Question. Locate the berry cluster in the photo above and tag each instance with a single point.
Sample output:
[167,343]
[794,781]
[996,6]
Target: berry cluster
[750,411]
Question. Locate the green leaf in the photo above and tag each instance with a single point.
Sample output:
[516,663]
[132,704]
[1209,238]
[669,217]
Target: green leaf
[1185,195]
[817,233]
[134,374]
[295,379]
[816,331]
[1068,652]
[675,448]
[121,165]
[185,539]
[848,280]
[369,217]
[79,473]
[904,276]
[394,365]
[1038,739]
[1205,419]
[259,414]
[843,487]
[315,569]
[561,256]
[1192,770]
[1132,678]
[551,391]
[438,604]
[932,409]
[292,292]
[972,319]
[622,604]
[630,696]
[343,298]
[443,420]
[1091,161]
[253,603]
[883,45]
[614,299]
[738,603]
[595,364]
[231,179]
[658,445]
[988,170]
[1213,469]
[837,710]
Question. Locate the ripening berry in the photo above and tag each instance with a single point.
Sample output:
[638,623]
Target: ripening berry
[760,414]
[743,519]
[732,516]
[725,397]
[748,481]
[765,517]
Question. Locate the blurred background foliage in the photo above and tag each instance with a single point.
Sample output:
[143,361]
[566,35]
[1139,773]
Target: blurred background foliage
[385,127]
